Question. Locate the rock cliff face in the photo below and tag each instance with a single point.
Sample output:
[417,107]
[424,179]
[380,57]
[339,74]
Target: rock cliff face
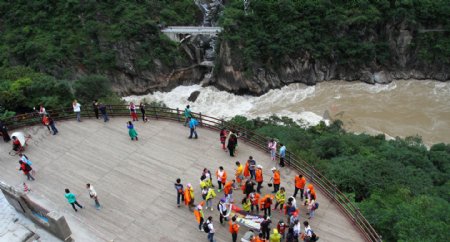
[231,76]
[128,79]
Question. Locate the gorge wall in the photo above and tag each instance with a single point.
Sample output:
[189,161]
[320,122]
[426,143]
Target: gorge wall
[264,45]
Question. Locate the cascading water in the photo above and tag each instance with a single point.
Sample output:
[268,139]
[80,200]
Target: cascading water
[211,10]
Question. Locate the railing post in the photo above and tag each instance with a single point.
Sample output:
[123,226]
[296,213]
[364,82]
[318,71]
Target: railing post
[110,110]
[289,158]
[156,112]
[334,190]
[200,119]
[178,115]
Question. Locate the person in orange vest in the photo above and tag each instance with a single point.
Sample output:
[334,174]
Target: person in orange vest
[259,178]
[221,175]
[239,173]
[254,199]
[46,122]
[300,183]
[309,191]
[228,191]
[312,191]
[246,170]
[276,179]
[199,216]
[234,229]
[258,238]
[189,196]
[266,203]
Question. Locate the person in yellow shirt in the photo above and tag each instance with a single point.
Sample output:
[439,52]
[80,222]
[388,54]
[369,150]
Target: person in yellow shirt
[280,198]
[239,173]
[246,204]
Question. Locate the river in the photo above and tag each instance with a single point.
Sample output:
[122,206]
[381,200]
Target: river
[401,108]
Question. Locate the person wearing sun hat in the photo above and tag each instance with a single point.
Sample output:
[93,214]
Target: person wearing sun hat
[199,216]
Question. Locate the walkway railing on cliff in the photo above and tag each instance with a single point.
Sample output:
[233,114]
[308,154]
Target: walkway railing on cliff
[326,186]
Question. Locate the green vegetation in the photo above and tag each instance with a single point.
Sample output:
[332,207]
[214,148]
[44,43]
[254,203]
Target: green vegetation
[402,188]
[62,37]
[45,46]
[21,89]
[353,33]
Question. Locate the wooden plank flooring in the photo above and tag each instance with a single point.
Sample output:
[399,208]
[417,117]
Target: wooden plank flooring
[134,180]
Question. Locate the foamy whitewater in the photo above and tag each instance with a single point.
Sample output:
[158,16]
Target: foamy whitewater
[221,104]
[401,108]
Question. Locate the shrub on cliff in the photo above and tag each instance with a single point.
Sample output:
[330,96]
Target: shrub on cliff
[350,33]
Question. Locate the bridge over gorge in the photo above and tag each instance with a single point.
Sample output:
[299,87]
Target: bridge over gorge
[134,180]
[177,33]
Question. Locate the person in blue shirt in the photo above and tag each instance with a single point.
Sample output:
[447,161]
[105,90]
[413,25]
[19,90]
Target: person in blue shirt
[72,199]
[187,114]
[193,126]
[282,154]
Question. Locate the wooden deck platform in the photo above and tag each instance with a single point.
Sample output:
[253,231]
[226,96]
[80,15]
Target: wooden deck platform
[134,180]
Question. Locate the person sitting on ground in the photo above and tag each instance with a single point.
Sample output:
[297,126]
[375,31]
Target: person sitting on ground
[17,146]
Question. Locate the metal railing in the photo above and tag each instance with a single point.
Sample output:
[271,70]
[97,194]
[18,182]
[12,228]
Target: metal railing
[349,209]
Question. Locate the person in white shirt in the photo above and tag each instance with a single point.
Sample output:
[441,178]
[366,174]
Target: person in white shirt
[308,230]
[297,229]
[77,109]
[93,195]
[211,229]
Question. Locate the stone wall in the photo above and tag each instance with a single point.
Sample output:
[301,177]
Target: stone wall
[51,221]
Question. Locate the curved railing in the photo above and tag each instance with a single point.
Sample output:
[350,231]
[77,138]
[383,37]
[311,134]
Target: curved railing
[320,181]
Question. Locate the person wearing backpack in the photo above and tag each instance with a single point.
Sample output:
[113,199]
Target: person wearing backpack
[26,169]
[265,227]
[232,143]
[193,123]
[312,206]
[25,159]
[309,235]
[223,210]
[208,227]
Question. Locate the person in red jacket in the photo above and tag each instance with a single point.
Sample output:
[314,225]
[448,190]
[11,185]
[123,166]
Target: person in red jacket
[26,170]
[234,229]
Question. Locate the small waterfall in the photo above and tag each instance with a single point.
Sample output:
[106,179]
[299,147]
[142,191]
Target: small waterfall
[211,10]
